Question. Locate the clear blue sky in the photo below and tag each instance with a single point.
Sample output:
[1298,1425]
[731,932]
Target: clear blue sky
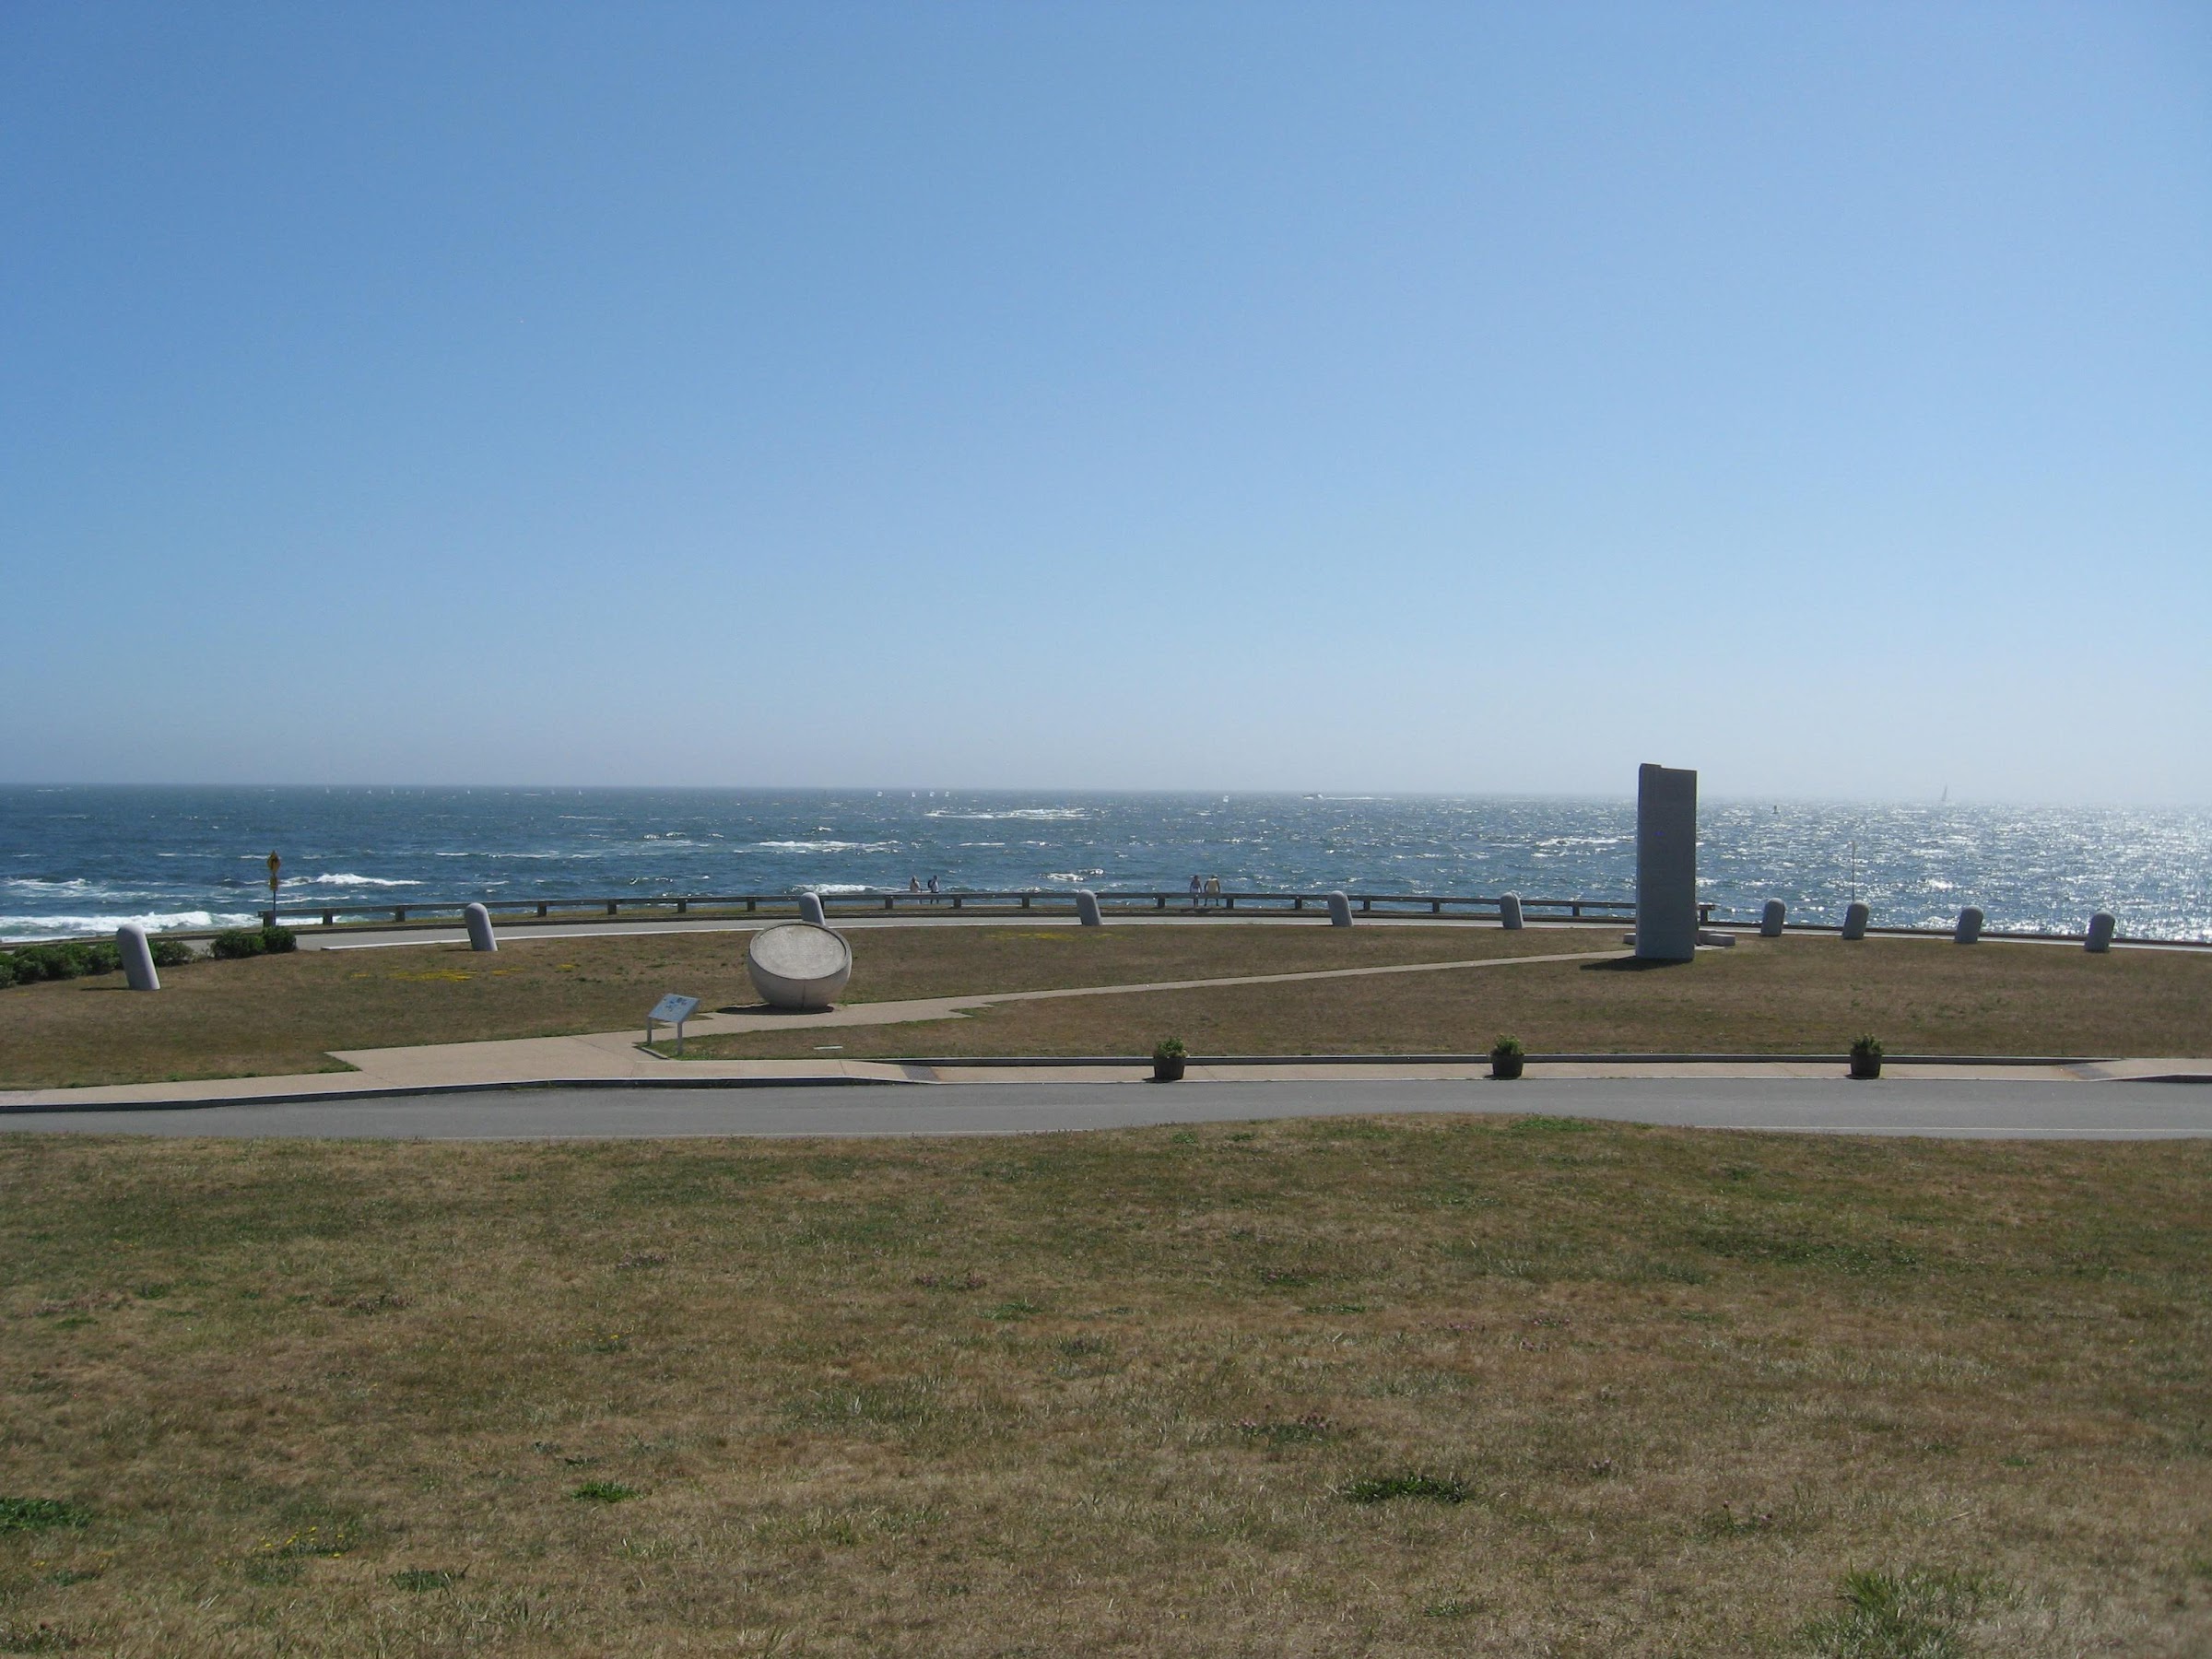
[1221,396]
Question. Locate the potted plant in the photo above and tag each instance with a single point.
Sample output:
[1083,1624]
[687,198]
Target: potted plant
[1506,1057]
[1169,1057]
[1865,1057]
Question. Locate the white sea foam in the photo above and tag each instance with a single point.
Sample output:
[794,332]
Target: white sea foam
[345,880]
[838,887]
[1038,814]
[826,846]
[1073,875]
[57,928]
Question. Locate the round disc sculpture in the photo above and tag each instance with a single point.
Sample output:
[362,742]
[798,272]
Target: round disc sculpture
[798,965]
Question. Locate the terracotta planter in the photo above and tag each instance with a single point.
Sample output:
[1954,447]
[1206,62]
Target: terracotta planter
[1168,1071]
[1865,1067]
[1506,1067]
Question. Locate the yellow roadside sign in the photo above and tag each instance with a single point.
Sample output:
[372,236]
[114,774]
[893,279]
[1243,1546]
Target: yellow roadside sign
[276,863]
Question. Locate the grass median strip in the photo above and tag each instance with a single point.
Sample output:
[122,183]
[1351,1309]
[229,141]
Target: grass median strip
[1789,995]
[284,1014]
[1383,1386]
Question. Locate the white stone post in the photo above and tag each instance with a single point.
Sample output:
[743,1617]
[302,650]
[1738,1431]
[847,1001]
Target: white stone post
[480,936]
[137,958]
[1969,930]
[1086,908]
[1340,911]
[1771,918]
[1855,917]
[2100,934]
[810,910]
[1509,913]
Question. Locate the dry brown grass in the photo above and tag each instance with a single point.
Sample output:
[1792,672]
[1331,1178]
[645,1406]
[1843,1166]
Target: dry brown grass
[1788,995]
[282,1014]
[1109,1393]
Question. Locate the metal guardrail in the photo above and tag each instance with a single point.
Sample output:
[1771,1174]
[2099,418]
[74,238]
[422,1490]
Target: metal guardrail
[1050,899]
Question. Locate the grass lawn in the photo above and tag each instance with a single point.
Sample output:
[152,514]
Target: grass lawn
[1788,995]
[282,1014]
[1362,1386]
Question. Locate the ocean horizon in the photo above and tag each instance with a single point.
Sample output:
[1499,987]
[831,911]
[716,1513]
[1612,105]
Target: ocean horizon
[82,858]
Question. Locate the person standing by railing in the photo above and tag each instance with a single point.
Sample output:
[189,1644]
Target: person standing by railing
[1198,891]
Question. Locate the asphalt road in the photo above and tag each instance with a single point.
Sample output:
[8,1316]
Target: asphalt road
[1956,1110]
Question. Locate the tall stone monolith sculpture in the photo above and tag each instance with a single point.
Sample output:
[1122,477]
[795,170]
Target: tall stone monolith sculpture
[1509,911]
[810,910]
[1666,863]
[1340,910]
[1855,918]
[1969,930]
[2100,934]
[1086,908]
[1771,920]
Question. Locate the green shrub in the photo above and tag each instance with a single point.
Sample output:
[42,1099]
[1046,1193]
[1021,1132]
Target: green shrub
[278,940]
[170,953]
[235,942]
[34,962]
[103,955]
[1506,1048]
[7,969]
[1170,1048]
[1866,1047]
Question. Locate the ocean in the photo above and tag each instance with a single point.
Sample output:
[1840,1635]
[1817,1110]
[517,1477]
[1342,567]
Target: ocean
[77,859]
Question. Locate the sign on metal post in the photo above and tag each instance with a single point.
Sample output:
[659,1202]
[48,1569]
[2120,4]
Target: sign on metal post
[673,1010]
[276,863]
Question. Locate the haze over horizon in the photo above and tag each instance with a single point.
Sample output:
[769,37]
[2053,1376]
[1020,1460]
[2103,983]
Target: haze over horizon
[1406,399]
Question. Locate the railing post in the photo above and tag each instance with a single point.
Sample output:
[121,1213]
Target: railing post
[541,907]
[751,905]
[1025,902]
[399,913]
[683,907]
[330,918]
[1436,906]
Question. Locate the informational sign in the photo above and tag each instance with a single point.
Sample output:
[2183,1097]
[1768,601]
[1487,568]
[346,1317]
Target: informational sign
[672,1009]
[276,863]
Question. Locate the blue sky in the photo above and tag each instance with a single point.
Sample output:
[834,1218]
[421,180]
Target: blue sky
[1366,396]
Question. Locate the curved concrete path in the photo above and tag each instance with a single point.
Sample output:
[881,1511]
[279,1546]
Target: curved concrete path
[1968,1110]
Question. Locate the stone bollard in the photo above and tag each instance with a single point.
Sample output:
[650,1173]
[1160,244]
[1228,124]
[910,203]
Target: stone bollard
[137,958]
[1509,913]
[810,910]
[480,935]
[2100,933]
[1340,911]
[1969,930]
[1086,908]
[1771,918]
[1855,917]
